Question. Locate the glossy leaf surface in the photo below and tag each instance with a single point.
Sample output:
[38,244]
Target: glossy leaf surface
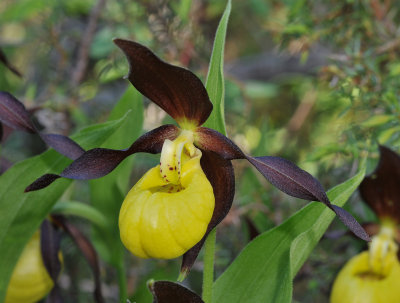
[215,83]
[264,270]
[176,90]
[22,213]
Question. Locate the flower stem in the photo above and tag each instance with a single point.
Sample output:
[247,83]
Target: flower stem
[208,272]
[123,295]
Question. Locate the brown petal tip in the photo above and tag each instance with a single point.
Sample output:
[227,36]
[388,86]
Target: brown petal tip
[381,190]
[175,89]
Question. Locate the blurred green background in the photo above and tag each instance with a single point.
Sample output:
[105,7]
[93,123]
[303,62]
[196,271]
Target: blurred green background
[316,82]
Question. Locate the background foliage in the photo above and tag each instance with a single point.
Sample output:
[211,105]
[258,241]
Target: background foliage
[316,82]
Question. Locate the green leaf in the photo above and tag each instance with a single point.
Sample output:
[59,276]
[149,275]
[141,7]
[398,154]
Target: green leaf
[215,79]
[82,210]
[21,213]
[378,120]
[264,270]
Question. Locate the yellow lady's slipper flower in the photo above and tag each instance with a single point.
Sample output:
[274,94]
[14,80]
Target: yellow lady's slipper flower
[167,212]
[30,280]
[171,210]
[372,276]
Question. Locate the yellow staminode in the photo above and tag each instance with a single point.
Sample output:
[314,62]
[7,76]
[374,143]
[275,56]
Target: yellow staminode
[168,210]
[372,276]
[30,280]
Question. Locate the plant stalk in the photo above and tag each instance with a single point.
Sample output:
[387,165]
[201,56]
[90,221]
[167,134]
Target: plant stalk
[123,295]
[208,271]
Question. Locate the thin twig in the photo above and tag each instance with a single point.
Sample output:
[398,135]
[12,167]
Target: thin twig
[87,38]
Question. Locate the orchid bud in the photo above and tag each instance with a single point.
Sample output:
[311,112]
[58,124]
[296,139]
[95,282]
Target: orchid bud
[168,210]
[30,280]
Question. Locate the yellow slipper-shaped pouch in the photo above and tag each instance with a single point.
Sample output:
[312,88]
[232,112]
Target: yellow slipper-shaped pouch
[161,219]
[30,280]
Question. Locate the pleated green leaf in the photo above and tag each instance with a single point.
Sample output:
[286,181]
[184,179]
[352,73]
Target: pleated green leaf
[264,270]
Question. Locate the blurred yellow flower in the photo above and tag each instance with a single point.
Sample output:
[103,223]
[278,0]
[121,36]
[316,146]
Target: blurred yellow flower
[30,280]
[372,276]
[168,210]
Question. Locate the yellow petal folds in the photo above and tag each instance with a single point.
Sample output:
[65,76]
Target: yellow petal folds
[30,281]
[372,276]
[168,210]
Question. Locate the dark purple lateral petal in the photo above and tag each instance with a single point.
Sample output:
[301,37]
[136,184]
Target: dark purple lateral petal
[98,162]
[176,90]
[152,141]
[87,250]
[50,248]
[211,140]
[350,222]
[298,183]
[42,182]
[170,292]
[381,189]
[94,163]
[289,178]
[14,114]
[221,176]
[63,145]
[7,64]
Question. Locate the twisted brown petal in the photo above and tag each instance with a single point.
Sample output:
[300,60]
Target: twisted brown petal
[87,250]
[50,248]
[221,176]
[170,292]
[211,140]
[176,90]
[381,189]
[98,162]
[14,115]
[298,183]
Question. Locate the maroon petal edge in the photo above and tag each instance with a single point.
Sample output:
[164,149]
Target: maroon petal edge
[381,189]
[87,250]
[7,64]
[298,183]
[14,114]
[211,140]
[221,176]
[170,292]
[50,247]
[176,90]
[98,162]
